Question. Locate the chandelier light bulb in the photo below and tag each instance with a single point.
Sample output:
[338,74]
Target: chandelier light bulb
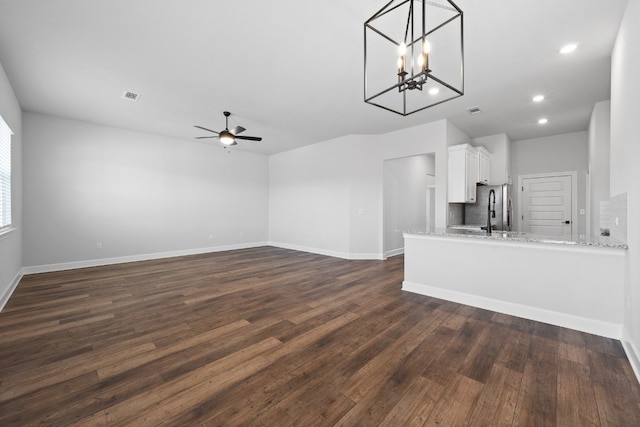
[402,49]
[426,46]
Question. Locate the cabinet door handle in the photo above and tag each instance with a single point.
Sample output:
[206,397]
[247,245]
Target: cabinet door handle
[566,222]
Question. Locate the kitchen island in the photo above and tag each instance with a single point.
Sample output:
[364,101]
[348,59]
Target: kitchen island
[575,283]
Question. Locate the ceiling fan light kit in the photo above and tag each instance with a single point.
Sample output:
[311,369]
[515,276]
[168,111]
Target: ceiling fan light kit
[228,137]
[413,55]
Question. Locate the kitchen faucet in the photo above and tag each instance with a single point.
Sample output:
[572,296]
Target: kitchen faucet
[491,213]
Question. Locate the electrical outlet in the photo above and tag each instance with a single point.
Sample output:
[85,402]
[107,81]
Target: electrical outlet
[99,245]
[210,236]
[583,212]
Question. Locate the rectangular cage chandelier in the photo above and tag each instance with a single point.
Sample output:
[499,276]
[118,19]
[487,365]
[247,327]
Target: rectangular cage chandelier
[413,55]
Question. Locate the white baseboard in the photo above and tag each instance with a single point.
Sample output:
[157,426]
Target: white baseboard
[133,258]
[334,254]
[14,284]
[394,252]
[632,352]
[591,326]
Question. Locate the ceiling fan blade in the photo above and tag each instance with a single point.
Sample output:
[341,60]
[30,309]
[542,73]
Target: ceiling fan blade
[200,127]
[205,137]
[249,138]
[236,130]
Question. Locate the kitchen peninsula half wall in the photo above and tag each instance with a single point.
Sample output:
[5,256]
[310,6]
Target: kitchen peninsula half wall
[573,284]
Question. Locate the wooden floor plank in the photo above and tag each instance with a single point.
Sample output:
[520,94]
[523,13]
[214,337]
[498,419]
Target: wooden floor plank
[415,405]
[614,391]
[274,337]
[497,401]
[537,397]
[456,404]
[575,396]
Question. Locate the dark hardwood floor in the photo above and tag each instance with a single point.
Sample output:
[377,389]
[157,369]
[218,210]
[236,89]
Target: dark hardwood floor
[273,337]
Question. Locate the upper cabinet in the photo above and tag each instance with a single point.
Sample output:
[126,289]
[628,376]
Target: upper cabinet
[484,165]
[468,165]
[463,173]
[500,148]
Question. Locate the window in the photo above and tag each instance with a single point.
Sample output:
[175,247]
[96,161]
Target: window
[5,175]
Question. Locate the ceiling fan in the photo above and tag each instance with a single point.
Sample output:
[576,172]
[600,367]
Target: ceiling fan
[228,137]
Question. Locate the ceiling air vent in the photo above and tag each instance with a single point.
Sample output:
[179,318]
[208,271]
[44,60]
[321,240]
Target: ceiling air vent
[130,96]
[473,110]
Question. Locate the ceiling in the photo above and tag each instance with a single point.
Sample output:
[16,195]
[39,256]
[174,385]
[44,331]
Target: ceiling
[292,71]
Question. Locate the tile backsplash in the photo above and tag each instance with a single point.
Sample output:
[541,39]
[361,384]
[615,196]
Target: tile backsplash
[613,217]
[456,214]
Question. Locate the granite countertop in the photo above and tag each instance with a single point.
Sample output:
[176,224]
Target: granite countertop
[515,236]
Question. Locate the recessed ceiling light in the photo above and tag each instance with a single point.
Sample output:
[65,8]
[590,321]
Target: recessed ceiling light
[538,98]
[569,48]
[473,110]
[434,91]
[543,121]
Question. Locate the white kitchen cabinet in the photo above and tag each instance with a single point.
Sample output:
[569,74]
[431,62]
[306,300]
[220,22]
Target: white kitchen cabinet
[463,173]
[484,165]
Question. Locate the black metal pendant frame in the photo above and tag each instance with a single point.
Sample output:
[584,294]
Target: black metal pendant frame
[411,79]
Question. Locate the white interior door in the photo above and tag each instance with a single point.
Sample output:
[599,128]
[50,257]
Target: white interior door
[547,205]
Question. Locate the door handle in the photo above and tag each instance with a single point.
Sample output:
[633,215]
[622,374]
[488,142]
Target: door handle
[566,222]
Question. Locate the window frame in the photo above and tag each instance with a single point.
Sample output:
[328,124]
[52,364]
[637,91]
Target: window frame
[6,206]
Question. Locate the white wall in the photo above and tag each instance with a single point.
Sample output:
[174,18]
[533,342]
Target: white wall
[134,193]
[559,153]
[434,138]
[405,198]
[317,193]
[365,181]
[310,196]
[599,170]
[11,243]
[625,158]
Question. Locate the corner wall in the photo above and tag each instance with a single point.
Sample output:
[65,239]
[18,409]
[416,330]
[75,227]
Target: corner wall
[328,197]
[625,157]
[599,155]
[11,242]
[405,196]
[310,207]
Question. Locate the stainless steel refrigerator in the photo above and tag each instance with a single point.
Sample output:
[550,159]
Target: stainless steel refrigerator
[476,213]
